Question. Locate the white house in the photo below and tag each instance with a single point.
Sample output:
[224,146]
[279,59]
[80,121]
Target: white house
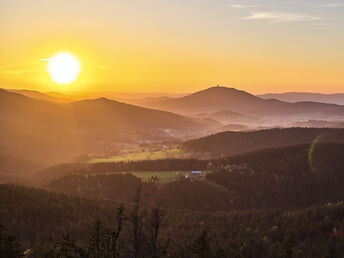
[194,174]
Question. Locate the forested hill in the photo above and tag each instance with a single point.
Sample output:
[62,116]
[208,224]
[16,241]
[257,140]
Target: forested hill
[288,159]
[282,202]
[232,143]
[39,220]
[284,178]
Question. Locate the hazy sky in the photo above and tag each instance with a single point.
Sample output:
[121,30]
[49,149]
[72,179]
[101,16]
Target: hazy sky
[176,45]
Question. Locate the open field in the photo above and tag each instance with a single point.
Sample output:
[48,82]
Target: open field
[163,176]
[168,154]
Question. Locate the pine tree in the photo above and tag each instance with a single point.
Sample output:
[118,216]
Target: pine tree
[68,248]
[116,233]
[9,247]
[137,218]
[155,222]
[201,247]
[96,241]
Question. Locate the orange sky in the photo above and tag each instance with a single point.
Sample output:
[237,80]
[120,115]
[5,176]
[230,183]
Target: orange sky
[175,46]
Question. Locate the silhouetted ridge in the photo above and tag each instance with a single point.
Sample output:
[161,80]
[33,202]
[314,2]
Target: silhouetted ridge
[217,99]
[231,143]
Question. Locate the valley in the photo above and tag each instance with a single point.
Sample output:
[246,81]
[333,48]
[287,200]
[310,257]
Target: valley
[81,160]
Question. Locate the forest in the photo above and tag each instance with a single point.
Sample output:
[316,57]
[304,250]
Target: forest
[60,226]
[232,143]
[277,202]
[289,177]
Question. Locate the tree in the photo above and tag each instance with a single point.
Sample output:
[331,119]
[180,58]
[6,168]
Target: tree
[201,247]
[116,233]
[9,247]
[137,218]
[155,221]
[96,240]
[67,248]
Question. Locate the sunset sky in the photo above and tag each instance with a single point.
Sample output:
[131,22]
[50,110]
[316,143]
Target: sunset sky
[175,45]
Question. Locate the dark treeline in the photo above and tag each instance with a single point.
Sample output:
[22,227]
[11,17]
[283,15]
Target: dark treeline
[109,167]
[294,158]
[233,143]
[291,177]
[116,187]
[55,225]
[182,194]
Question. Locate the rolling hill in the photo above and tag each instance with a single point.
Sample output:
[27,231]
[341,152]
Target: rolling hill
[216,99]
[336,98]
[228,116]
[232,143]
[60,98]
[117,114]
[48,132]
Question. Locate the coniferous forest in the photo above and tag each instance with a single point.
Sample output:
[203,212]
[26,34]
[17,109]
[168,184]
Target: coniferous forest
[277,202]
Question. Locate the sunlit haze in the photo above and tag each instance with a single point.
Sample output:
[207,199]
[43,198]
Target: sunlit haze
[176,46]
[171,128]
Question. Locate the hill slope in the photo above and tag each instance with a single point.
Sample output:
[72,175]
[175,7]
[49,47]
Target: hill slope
[336,98]
[44,96]
[231,143]
[126,115]
[217,99]
[51,132]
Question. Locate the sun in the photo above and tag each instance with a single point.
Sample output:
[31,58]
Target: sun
[64,68]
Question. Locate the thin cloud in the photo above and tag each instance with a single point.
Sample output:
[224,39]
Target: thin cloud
[242,6]
[281,17]
[333,5]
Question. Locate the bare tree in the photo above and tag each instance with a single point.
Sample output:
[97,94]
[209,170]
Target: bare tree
[116,233]
[137,217]
[155,222]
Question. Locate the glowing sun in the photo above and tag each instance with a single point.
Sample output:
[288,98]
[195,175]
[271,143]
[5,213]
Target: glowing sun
[64,68]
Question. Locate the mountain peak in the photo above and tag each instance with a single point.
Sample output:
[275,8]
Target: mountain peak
[219,87]
[97,101]
[222,92]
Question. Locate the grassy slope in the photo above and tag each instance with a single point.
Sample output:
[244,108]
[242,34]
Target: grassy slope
[174,153]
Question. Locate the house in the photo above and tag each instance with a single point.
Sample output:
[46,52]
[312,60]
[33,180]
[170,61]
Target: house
[194,174]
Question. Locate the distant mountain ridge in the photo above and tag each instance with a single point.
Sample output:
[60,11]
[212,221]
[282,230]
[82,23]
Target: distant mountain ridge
[216,99]
[335,98]
[52,97]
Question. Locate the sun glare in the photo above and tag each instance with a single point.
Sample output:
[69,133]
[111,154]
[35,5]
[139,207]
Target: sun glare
[64,68]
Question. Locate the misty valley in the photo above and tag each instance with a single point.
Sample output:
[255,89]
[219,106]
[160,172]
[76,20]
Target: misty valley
[216,173]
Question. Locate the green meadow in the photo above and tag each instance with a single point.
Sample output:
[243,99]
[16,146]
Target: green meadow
[163,176]
[147,155]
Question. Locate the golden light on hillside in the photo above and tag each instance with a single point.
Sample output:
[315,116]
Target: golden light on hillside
[64,68]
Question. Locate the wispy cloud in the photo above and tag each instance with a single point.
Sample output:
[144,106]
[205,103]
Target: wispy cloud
[21,68]
[333,5]
[281,17]
[242,6]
